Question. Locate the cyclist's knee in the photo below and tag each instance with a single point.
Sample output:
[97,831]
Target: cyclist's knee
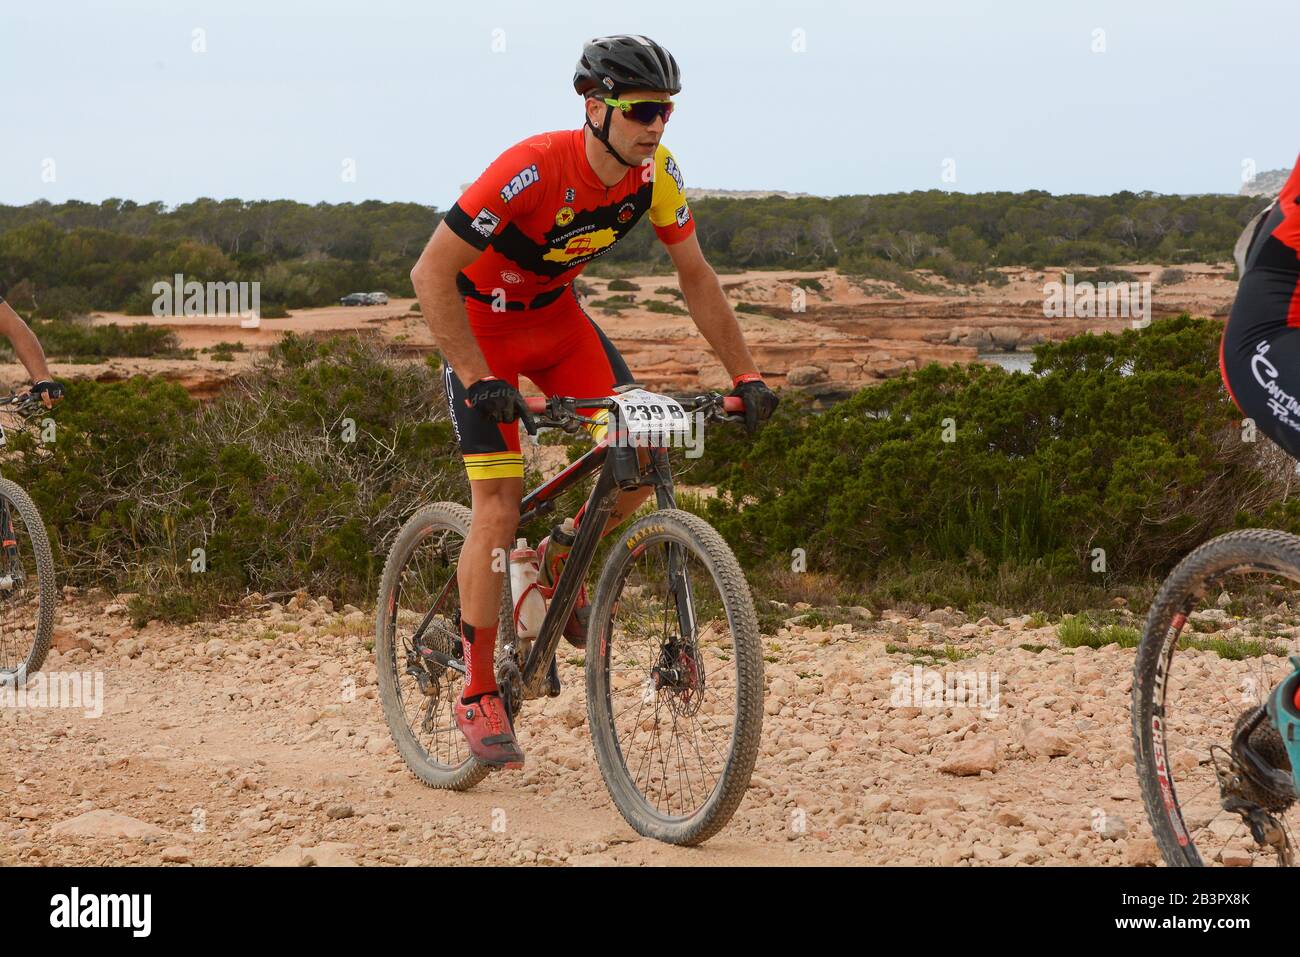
[496,505]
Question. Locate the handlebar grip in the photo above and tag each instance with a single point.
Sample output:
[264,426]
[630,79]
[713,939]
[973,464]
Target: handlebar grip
[733,403]
[536,404]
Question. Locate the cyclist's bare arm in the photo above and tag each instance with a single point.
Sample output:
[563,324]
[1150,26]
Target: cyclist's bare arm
[709,307]
[434,278]
[26,346]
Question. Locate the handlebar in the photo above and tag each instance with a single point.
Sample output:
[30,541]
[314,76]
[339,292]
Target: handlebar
[24,403]
[731,404]
[561,411]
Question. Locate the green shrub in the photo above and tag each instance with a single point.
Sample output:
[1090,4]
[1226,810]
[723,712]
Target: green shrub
[1075,631]
[669,291]
[1125,443]
[622,285]
[63,340]
[262,479]
[1108,274]
[658,305]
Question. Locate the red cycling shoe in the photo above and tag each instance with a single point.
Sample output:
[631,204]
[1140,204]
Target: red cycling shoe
[487,730]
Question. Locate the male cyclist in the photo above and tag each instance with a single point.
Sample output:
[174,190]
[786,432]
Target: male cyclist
[495,285]
[28,349]
[1259,356]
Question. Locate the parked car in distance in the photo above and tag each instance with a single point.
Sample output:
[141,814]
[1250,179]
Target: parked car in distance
[378,298]
[355,299]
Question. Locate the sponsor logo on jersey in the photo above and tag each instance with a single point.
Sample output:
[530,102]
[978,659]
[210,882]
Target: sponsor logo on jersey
[683,215]
[564,216]
[670,166]
[486,222]
[625,212]
[586,228]
[570,194]
[581,247]
[519,182]
[509,275]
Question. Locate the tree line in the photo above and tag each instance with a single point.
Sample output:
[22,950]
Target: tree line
[62,259]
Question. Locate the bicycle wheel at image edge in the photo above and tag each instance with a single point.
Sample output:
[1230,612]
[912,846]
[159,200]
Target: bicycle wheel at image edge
[1253,551]
[421,562]
[722,661]
[23,513]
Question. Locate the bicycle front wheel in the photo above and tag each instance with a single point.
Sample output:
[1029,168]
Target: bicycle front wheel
[27,589]
[1216,644]
[674,678]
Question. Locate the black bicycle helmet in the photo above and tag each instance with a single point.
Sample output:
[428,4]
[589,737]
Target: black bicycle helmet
[626,62]
[611,65]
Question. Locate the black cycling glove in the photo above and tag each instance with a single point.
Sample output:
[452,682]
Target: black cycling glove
[497,399]
[760,401]
[48,387]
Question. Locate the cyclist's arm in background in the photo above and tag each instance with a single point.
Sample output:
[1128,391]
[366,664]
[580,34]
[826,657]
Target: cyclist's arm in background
[26,346]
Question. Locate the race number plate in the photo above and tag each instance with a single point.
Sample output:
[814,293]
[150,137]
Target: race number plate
[649,414]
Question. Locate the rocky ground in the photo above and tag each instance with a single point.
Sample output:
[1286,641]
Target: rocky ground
[259,739]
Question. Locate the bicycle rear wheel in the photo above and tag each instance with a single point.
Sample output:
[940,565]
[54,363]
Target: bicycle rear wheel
[674,674]
[1202,670]
[417,610]
[27,588]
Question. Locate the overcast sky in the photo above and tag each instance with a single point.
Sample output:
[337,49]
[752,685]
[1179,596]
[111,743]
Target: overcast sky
[113,99]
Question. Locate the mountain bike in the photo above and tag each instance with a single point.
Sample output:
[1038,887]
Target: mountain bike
[27,588]
[673,662]
[1214,770]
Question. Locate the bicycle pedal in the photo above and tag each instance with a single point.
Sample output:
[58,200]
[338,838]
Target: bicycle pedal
[553,681]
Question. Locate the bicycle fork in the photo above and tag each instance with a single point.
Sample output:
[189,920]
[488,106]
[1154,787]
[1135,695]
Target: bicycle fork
[12,572]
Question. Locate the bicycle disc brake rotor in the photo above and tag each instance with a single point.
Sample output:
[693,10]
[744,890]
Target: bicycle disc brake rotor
[680,672]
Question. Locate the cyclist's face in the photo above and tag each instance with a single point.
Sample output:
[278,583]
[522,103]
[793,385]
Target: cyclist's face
[635,142]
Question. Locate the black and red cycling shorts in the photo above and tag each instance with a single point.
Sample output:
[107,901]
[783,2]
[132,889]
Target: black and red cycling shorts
[1259,355]
[557,347]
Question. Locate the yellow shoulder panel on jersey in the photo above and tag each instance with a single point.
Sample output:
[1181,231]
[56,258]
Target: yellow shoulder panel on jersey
[669,193]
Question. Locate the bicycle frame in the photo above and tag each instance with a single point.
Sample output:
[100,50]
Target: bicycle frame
[620,470]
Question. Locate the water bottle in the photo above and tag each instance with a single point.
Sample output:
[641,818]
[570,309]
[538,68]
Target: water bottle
[554,549]
[530,605]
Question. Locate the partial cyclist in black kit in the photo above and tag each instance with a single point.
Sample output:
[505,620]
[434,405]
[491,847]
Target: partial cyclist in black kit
[1259,356]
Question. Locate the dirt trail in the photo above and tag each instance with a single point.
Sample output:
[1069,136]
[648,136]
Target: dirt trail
[260,738]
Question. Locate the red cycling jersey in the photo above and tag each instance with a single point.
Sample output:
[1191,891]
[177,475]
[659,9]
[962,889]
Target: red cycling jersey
[540,214]
[1288,231]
